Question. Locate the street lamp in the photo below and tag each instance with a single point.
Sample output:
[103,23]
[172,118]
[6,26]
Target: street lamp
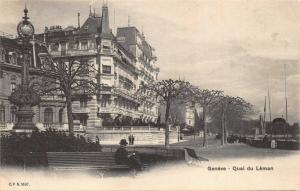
[24,96]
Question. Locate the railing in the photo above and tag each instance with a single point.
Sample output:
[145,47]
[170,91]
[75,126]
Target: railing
[129,128]
[81,110]
[73,52]
[49,125]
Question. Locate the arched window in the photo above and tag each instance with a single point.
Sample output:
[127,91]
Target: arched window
[48,116]
[60,116]
[2,114]
[13,111]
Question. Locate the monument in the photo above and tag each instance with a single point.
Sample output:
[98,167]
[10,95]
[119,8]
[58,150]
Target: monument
[24,96]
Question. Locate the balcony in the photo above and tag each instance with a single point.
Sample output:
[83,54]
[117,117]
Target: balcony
[65,53]
[126,93]
[107,110]
[81,110]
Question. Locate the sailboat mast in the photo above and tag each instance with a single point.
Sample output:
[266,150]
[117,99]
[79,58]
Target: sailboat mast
[270,111]
[264,119]
[286,111]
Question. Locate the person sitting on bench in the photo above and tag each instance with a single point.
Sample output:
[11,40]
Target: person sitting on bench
[123,157]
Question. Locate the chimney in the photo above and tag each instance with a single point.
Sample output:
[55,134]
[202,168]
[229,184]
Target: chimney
[105,20]
[78,14]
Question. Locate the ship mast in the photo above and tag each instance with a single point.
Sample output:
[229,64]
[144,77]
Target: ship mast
[286,110]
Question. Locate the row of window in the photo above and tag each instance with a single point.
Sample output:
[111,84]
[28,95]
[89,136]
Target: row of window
[48,115]
[80,45]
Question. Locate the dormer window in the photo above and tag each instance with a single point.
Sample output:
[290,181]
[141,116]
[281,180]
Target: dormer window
[12,57]
[106,47]
[54,47]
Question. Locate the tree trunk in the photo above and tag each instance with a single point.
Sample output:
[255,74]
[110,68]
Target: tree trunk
[204,128]
[223,126]
[167,124]
[70,116]
[225,131]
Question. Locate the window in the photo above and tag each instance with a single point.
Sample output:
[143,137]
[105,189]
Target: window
[54,47]
[12,57]
[48,116]
[121,39]
[60,116]
[106,69]
[106,47]
[83,102]
[13,86]
[84,45]
[103,102]
[83,121]
[76,45]
[13,111]
[190,122]
[2,114]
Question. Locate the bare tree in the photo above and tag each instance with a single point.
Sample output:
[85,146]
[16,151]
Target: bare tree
[166,91]
[69,77]
[205,98]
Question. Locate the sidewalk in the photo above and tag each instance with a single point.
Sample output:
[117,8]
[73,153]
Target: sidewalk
[215,151]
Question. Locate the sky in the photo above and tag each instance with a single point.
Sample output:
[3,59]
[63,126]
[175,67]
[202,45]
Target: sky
[237,46]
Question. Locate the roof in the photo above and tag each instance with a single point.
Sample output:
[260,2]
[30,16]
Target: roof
[11,45]
[130,34]
[92,25]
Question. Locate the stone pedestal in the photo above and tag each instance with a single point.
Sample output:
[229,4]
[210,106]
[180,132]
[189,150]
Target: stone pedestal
[24,124]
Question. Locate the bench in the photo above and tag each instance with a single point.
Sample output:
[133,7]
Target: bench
[96,161]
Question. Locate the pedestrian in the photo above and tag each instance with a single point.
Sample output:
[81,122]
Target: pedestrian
[123,157]
[132,139]
[97,140]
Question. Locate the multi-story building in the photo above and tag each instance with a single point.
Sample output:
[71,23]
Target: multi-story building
[51,109]
[134,42]
[122,63]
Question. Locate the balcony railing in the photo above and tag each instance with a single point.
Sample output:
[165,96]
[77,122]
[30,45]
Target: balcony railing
[81,110]
[73,52]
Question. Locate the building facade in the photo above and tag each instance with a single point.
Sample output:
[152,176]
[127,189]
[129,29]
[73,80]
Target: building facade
[122,62]
[50,110]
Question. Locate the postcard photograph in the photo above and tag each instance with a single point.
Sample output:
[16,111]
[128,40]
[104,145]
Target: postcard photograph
[149,95]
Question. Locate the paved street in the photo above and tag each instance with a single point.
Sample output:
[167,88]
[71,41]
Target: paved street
[215,151]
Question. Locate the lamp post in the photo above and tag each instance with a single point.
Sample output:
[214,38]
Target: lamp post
[24,96]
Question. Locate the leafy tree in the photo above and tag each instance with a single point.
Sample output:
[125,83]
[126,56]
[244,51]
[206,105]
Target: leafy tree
[166,91]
